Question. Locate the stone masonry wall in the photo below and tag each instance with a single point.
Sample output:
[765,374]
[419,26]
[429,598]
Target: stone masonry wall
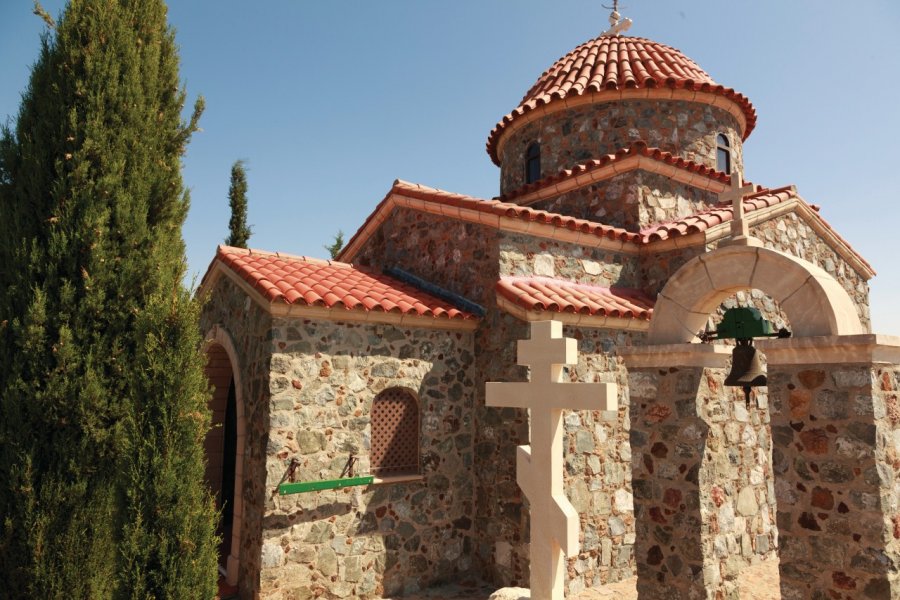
[837,455]
[704,499]
[464,258]
[597,453]
[458,256]
[522,255]
[250,329]
[633,200]
[686,129]
[389,538]
[598,458]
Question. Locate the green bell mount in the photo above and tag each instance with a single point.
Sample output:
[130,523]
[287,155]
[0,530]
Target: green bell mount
[742,324]
[287,485]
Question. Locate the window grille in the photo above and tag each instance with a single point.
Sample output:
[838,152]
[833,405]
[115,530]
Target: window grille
[395,434]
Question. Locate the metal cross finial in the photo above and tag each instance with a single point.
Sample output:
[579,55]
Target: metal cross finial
[617,23]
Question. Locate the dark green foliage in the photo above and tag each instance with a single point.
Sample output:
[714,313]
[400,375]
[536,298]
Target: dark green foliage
[335,247]
[102,394]
[239,231]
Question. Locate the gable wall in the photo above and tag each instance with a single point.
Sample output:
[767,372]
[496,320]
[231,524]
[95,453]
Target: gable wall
[787,233]
[460,257]
[632,200]
[524,255]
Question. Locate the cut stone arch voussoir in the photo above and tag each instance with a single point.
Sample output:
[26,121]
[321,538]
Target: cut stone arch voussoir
[813,300]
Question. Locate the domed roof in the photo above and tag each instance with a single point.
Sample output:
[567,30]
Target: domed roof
[611,65]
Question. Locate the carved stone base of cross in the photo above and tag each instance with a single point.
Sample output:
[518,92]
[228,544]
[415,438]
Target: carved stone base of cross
[539,466]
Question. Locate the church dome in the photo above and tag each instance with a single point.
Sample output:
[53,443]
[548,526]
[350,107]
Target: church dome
[614,67]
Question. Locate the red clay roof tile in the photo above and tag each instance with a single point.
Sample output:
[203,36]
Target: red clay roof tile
[721,213]
[560,296]
[611,63]
[695,223]
[287,279]
[489,207]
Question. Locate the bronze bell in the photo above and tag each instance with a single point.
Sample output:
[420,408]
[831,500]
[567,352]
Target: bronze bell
[746,369]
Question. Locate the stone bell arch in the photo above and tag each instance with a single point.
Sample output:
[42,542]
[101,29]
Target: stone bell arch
[702,508]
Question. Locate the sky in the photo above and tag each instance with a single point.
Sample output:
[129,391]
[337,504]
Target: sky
[330,101]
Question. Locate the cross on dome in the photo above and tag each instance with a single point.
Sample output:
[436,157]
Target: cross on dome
[618,25]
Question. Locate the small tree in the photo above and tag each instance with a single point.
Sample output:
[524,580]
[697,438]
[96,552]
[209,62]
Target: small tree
[239,231]
[335,247]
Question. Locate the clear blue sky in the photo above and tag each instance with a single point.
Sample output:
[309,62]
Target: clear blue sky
[329,101]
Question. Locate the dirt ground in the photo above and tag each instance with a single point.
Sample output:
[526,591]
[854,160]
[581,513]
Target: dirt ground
[758,582]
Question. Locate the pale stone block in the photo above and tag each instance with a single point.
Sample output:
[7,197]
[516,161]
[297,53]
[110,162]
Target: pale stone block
[272,555]
[746,503]
[591,267]
[729,268]
[544,265]
[624,501]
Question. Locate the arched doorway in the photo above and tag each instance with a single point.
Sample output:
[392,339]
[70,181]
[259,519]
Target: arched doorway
[224,446]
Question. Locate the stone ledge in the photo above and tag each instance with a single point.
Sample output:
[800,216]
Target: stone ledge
[864,348]
[676,355]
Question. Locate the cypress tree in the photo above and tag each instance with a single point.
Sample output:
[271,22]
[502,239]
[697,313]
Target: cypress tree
[239,231]
[103,401]
[335,247]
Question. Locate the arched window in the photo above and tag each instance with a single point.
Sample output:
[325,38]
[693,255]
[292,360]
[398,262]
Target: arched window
[395,434]
[533,163]
[723,153]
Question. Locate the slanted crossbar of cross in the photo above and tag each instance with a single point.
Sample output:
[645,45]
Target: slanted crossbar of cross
[539,465]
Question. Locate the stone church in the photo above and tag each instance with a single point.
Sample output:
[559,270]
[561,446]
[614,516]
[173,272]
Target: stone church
[622,213]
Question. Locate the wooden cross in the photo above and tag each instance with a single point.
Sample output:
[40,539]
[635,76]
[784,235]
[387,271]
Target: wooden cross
[539,466]
[735,195]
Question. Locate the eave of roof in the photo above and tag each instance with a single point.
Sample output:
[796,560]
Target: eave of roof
[539,298]
[694,230]
[714,224]
[494,214]
[296,286]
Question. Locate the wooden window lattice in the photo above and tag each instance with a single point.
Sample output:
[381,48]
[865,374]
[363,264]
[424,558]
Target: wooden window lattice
[395,433]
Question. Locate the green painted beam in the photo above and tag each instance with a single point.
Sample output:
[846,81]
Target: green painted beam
[324,484]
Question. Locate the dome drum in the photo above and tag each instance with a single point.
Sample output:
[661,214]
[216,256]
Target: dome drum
[572,135]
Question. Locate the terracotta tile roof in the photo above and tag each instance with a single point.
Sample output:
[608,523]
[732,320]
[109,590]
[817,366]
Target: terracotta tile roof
[299,280]
[614,63]
[699,222]
[445,201]
[637,149]
[508,216]
[559,296]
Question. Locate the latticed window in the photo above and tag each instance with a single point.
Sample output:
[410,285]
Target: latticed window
[395,433]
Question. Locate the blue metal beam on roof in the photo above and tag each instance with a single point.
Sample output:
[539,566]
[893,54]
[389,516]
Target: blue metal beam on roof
[435,290]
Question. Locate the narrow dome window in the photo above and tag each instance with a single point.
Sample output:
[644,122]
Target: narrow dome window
[533,163]
[723,153]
